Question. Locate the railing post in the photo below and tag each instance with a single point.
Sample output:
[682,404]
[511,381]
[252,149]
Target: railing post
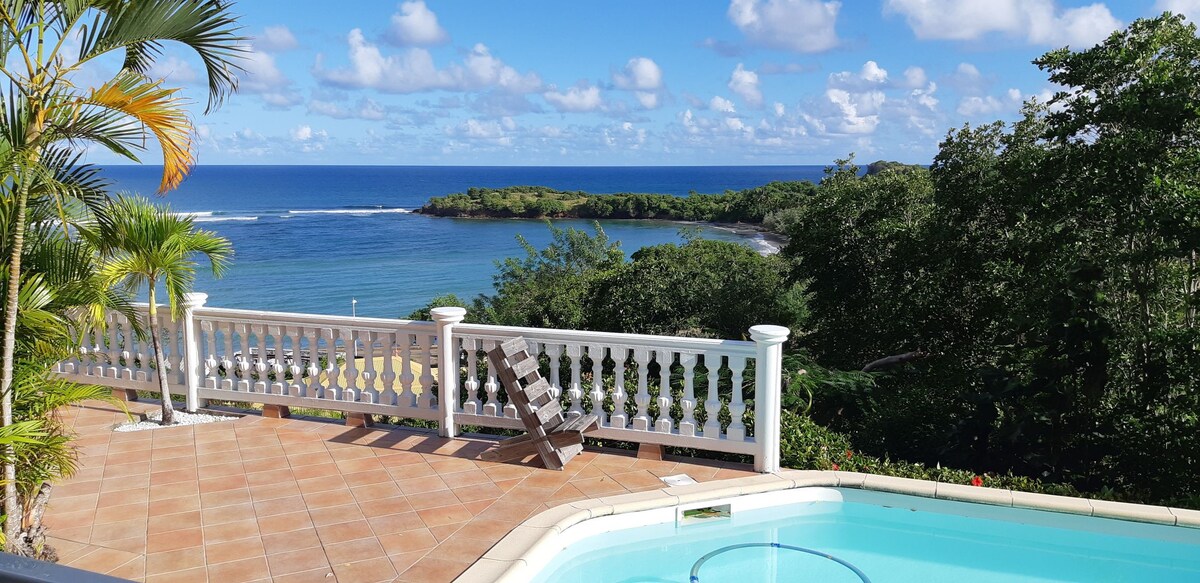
[446,318]
[768,386]
[191,349]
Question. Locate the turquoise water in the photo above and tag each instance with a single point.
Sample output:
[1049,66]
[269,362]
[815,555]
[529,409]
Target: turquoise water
[311,238]
[885,539]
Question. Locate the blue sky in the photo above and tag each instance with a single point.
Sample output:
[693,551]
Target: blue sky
[665,82]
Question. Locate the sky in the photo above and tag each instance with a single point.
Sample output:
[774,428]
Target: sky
[625,82]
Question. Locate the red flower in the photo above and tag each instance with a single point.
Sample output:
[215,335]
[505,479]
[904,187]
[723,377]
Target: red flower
[836,467]
[977,481]
[849,454]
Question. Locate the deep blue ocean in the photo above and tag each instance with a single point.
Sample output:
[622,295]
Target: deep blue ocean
[312,238]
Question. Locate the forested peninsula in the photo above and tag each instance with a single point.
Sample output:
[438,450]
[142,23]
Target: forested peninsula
[766,205]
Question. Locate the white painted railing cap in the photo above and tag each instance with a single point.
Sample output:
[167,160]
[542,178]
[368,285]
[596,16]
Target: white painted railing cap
[769,334]
[450,314]
[194,299]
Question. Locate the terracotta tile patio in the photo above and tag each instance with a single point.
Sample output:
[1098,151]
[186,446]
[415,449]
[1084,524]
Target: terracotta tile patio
[295,500]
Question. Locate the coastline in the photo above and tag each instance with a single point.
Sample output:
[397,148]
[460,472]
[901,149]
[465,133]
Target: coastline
[763,241]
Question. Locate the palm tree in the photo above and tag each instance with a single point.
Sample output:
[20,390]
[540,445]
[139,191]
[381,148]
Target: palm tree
[149,245]
[44,109]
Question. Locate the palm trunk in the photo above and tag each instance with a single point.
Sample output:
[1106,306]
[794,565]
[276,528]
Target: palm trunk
[168,412]
[12,506]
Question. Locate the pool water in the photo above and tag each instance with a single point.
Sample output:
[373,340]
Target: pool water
[852,536]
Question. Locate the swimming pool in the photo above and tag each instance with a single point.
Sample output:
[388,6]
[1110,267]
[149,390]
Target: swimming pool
[846,535]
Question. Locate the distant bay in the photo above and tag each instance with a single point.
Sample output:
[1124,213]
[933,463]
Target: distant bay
[311,238]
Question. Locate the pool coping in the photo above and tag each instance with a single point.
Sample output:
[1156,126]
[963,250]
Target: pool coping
[508,560]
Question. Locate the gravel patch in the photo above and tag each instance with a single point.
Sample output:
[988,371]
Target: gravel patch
[181,418]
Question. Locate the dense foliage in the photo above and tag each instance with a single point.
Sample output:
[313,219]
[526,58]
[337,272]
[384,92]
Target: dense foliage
[1024,309]
[744,206]
[1042,274]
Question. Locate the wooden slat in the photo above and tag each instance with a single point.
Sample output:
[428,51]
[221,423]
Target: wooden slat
[578,424]
[548,412]
[513,347]
[524,367]
[554,439]
[536,390]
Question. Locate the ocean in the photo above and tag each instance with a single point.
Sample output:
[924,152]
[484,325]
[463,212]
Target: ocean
[315,238]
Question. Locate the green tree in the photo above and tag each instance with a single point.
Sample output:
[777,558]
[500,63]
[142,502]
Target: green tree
[45,108]
[547,287]
[148,245]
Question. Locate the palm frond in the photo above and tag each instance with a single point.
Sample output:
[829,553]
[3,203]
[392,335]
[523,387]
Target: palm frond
[139,28]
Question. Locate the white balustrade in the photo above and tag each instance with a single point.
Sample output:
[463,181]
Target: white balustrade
[683,392]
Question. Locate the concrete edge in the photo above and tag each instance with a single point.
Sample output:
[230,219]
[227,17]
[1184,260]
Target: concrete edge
[508,561]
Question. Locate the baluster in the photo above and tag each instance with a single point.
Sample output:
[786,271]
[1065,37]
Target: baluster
[389,369]
[333,388]
[471,406]
[620,419]
[737,429]
[575,394]
[428,392]
[178,360]
[244,359]
[491,387]
[350,375]
[554,354]
[227,357]
[687,424]
[212,377]
[256,351]
[409,398]
[114,353]
[128,351]
[295,388]
[712,405]
[370,393]
[664,423]
[313,387]
[534,349]
[596,353]
[279,384]
[641,421]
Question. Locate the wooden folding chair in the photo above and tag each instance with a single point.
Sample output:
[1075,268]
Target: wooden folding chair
[556,440]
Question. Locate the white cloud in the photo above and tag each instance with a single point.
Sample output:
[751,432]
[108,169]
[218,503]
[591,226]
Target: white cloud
[173,70]
[914,77]
[261,76]
[311,140]
[967,79]
[642,76]
[416,26]
[721,104]
[871,75]
[988,105]
[745,85]
[779,108]
[1040,22]
[413,70]
[806,26]
[276,39]
[858,113]
[1188,8]
[365,108]
[575,99]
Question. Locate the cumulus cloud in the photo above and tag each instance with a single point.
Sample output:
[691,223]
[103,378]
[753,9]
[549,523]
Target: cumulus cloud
[914,77]
[497,132]
[365,108]
[415,25]
[858,113]
[173,70]
[723,48]
[744,84]
[1041,22]
[576,99]
[1188,8]
[806,26]
[642,76]
[870,75]
[718,103]
[276,39]
[413,70]
[261,76]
